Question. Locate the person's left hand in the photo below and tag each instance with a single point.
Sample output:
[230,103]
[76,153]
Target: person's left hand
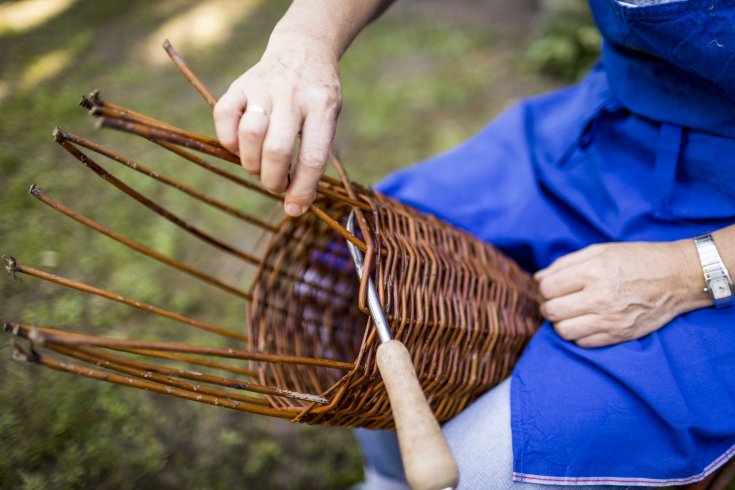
[610,293]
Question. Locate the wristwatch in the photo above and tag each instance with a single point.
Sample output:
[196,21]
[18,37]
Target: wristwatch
[719,284]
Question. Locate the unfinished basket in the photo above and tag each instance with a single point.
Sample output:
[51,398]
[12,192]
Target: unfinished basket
[463,309]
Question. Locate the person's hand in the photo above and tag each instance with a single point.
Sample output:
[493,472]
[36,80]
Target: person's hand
[294,88]
[610,293]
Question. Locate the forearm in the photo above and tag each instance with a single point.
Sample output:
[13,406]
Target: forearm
[331,23]
[725,240]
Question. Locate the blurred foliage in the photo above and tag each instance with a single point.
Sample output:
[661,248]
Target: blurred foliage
[424,78]
[569,42]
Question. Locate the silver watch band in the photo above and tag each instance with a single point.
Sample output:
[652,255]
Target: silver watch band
[719,284]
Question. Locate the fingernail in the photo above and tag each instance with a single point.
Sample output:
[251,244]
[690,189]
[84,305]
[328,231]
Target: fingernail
[293,209]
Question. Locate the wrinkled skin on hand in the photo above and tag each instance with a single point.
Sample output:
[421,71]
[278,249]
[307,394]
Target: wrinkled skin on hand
[609,293]
[294,89]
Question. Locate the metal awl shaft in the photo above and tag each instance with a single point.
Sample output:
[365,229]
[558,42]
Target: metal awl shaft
[376,309]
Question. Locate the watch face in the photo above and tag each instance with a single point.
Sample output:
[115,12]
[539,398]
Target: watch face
[720,288]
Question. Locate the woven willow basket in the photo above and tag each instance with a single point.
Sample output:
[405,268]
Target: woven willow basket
[463,309]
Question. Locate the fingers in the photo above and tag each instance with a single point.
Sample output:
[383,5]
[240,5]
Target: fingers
[227,113]
[316,137]
[265,137]
[563,282]
[568,306]
[577,327]
[278,145]
[567,260]
[251,133]
[592,330]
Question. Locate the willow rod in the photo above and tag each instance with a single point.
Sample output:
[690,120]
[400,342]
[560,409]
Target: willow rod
[12,266]
[365,229]
[152,372]
[15,328]
[89,163]
[24,355]
[163,374]
[192,360]
[202,144]
[159,134]
[95,100]
[40,336]
[332,223]
[188,73]
[191,157]
[130,116]
[59,136]
[38,194]
[326,191]
[116,157]
[135,116]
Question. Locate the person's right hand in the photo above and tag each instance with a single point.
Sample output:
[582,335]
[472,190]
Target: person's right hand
[295,87]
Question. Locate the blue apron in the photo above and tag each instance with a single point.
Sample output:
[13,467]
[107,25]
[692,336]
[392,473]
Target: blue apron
[643,149]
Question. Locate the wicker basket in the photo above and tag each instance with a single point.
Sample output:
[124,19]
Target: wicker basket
[463,309]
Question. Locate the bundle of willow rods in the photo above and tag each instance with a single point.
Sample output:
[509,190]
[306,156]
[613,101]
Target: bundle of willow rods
[463,309]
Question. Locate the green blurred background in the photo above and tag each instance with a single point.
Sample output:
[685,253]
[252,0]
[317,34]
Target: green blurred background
[426,76]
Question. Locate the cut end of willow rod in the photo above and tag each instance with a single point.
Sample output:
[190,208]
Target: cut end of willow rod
[11,266]
[35,191]
[58,134]
[94,97]
[166,44]
[21,354]
[15,329]
[86,103]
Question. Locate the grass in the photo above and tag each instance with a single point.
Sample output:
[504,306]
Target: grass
[421,80]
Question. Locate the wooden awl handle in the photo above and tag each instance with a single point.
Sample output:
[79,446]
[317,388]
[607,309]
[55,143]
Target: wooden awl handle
[427,460]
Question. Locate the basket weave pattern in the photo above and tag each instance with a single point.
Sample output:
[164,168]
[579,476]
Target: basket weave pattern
[463,309]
